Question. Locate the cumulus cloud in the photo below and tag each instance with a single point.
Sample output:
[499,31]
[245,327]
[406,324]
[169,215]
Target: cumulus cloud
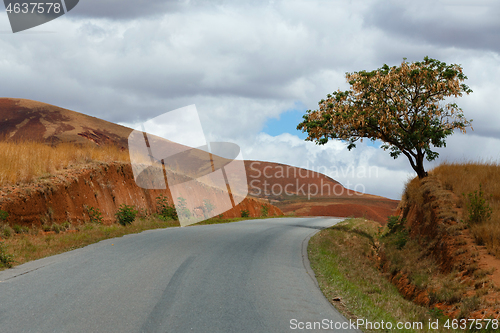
[243,63]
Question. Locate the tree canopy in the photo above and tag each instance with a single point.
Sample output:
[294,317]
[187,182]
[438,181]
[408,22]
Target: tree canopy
[400,105]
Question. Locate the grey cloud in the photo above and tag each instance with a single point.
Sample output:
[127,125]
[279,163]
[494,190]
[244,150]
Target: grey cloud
[124,10]
[461,24]
[128,10]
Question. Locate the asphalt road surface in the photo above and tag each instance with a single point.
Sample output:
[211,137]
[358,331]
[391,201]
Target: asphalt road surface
[249,276]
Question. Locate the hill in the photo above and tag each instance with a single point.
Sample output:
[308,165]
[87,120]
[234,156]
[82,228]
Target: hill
[294,190]
[302,192]
[27,120]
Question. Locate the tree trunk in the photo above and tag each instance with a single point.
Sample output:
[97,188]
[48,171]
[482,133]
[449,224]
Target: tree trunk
[419,165]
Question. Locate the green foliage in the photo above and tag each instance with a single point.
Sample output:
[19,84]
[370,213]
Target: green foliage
[166,210]
[3,215]
[56,228]
[264,210]
[394,224]
[208,207]
[245,213]
[478,208]
[399,105]
[95,215]
[126,214]
[183,210]
[6,260]
[20,229]
[397,232]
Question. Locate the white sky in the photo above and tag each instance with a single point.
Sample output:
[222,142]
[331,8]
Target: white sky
[245,63]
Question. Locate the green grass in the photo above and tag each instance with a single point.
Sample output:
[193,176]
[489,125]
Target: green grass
[344,261]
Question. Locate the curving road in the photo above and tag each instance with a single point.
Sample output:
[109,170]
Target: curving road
[249,276]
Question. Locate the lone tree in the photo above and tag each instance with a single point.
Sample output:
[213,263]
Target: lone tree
[400,105]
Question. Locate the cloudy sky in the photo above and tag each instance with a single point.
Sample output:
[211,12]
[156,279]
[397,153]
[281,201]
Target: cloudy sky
[252,68]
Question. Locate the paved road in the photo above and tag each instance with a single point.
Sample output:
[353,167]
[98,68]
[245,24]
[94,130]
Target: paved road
[248,276]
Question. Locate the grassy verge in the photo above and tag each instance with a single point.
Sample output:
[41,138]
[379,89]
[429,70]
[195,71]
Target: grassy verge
[343,258]
[33,244]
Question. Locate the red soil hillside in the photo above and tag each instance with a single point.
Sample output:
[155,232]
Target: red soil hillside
[64,196]
[304,192]
[296,191]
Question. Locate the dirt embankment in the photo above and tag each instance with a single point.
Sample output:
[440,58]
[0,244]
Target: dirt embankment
[66,196]
[464,279]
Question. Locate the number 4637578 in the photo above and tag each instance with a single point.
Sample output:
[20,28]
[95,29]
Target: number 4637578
[34,7]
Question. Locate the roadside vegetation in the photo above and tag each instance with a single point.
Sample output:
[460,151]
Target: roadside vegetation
[20,244]
[21,162]
[344,258]
[476,186]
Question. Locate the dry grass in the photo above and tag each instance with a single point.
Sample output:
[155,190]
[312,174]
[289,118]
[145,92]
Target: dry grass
[24,161]
[343,258]
[464,178]
[34,244]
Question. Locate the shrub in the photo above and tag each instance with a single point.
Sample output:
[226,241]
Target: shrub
[126,214]
[95,215]
[6,260]
[394,224]
[207,204]
[478,208]
[264,211]
[56,228]
[7,231]
[164,209]
[17,229]
[245,213]
[183,210]
[66,225]
[3,215]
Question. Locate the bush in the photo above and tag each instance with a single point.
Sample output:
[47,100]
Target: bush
[3,215]
[6,260]
[18,229]
[66,225]
[208,207]
[164,209]
[264,211]
[95,215]
[7,231]
[56,228]
[183,210]
[245,213]
[394,224]
[397,232]
[479,209]
[126,214]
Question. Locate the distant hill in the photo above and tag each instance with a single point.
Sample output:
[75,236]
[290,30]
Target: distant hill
[22,119]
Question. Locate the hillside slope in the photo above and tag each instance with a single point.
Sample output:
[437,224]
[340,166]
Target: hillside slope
[66,195]
[296,191]
[304,192]
[431,256]
[27,120]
